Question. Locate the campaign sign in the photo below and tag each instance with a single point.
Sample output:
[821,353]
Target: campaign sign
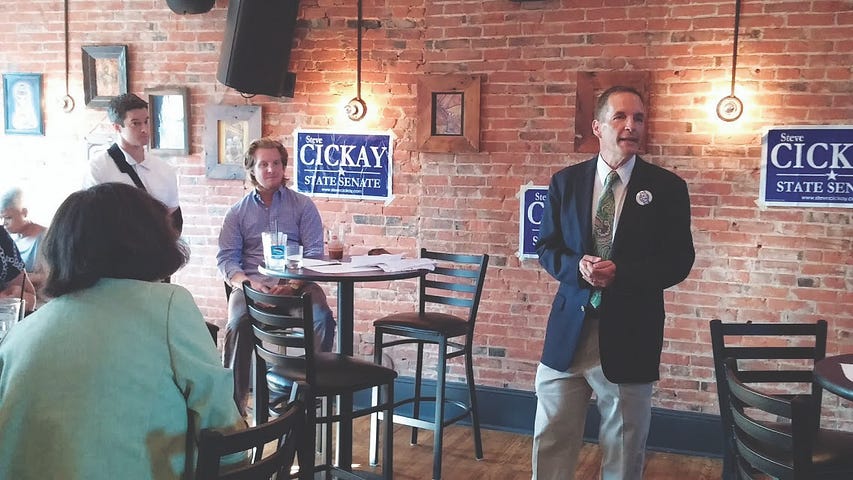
[343,165]
[808,166]
[532,207]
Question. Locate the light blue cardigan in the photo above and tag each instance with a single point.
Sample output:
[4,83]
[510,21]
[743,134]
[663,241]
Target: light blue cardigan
[107,382]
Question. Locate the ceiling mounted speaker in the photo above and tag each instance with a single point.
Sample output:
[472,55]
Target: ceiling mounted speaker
[183,7]
[256,48]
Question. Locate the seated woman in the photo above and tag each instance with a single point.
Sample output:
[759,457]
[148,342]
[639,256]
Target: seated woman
[13,277]
[26,233]
[116,374]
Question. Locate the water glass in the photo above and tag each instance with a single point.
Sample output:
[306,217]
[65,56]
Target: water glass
[275,246]
[294,257]
[10,313]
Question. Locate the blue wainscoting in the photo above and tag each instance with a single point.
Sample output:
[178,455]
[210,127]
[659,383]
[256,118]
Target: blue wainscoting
[506,409]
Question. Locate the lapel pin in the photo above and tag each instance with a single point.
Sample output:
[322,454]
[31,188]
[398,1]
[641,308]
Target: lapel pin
[644,197]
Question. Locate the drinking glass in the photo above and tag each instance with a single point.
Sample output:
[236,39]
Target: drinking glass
[336,243]
[275,246]
[294,257]
[10,313]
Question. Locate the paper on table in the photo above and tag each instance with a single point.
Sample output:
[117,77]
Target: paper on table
[848,370]
[406,264]
[342,268]
[374,260]
[394,262]
[316,262]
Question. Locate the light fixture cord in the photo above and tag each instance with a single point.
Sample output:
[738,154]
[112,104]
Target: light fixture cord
[358,55]
[734,47]
[66,47]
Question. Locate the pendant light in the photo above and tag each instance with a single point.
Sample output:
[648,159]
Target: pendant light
[356,108]
[730,107]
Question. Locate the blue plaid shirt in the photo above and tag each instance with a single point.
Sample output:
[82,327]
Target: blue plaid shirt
[240,246]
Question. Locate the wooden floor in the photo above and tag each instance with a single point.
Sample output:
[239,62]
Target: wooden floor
[507,457]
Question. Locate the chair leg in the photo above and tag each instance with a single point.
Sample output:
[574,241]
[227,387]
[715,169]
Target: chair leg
[328,460]
[729,462]
[260,394]
[346,416]
[438,429]
[306,463]
[416,405]
[374,418]
[473,405]
[374,430]
[260,402]
[306,456]
[388,441]
[322,432]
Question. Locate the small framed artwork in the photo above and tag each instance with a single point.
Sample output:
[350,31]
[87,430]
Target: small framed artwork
[228,130]
[168,109]
[449,113]
[104,73]
[23,104]
[590,86]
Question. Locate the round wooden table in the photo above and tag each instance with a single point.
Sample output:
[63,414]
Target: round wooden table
[828,374]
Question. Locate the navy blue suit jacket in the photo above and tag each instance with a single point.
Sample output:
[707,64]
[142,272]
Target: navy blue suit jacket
[652,250]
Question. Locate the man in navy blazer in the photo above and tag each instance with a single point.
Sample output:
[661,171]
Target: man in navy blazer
[612,349]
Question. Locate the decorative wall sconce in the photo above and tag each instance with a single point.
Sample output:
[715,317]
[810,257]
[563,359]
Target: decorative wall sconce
[356,109]
[730,107]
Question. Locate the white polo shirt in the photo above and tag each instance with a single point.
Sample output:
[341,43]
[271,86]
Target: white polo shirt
[159,177]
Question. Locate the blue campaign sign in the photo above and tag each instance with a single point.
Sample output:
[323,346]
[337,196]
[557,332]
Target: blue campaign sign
[809,166]
[532,207]
[343,165]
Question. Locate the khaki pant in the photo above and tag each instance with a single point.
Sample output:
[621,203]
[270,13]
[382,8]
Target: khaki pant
[562,400]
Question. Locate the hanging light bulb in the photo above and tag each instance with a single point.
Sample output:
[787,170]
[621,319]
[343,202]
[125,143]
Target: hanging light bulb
[730,108]
[355,109]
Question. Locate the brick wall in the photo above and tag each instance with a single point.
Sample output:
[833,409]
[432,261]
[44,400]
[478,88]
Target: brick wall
[776,264]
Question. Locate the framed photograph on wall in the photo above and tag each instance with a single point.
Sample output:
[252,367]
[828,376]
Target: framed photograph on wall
[449,113]
[168,109]
[104,73]
[22,104]
[228,130]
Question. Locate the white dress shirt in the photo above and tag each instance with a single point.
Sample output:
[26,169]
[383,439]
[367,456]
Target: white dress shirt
[159,177]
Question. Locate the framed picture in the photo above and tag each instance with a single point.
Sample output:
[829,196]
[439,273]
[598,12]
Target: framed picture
[104,73]
[228,130]
[590,86]
[168,109]
[449,113]
[23,104]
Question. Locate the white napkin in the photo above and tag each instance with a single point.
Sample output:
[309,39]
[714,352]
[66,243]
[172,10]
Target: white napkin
[848,371]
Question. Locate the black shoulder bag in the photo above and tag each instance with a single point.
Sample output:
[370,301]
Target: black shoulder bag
[118,157]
